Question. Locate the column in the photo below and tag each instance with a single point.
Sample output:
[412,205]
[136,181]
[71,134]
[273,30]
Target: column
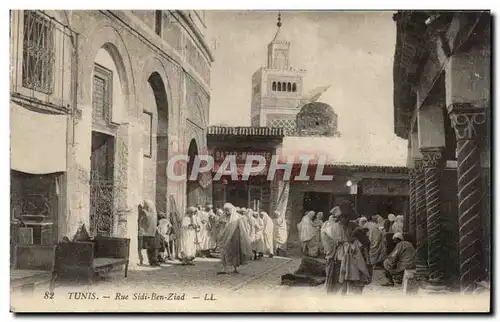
[421,221]
[468,124]
[432,162]
[412,215]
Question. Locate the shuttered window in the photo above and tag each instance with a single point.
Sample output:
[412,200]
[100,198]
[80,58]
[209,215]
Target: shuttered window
[102,95]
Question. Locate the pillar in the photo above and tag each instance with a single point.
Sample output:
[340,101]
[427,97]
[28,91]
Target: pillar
[411,228]
[432,163]
[468,91]
[133,193]
[468,123]
[421,220]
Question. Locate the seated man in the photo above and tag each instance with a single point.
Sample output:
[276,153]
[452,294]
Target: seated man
[401,258]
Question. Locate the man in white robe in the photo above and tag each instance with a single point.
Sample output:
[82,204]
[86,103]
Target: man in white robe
[391,218]
[280,233]
[233,241]
[165,229]
[378,243]
[258,242]
[267,233]
[249,221]
[206,240]
[212,218]
[398,225]
[308,235]
[189,241]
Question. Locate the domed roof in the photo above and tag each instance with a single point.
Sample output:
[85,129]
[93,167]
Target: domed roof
[317,108]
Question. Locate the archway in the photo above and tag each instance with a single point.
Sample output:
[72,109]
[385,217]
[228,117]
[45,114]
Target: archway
[159,146]
[107,105]
[192,186]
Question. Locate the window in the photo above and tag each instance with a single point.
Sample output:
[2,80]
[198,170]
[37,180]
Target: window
[279,86]
[274,86]
[158,22]
[147,119]
[294,87]
[102,94]
[38,52]
[289,87]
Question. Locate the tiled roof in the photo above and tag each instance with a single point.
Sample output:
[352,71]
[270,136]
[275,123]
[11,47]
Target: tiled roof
[245,131]
[368,167]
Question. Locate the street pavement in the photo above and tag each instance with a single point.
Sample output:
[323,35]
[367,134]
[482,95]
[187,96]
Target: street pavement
[257,288]
[253,278]
[179,278]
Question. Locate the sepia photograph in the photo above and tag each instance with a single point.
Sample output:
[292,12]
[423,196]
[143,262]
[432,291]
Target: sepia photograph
[250,161]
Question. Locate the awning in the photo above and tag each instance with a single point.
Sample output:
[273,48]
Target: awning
[37,141]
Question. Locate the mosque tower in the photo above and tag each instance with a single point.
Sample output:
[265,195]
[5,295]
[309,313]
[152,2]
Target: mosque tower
[277,87]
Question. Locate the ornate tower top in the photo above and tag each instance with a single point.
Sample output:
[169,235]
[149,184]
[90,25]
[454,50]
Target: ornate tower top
[278,38]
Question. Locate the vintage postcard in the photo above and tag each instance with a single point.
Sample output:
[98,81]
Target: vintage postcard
[250,161]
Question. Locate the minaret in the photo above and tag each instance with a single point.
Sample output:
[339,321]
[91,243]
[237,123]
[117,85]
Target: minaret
[277,87]
[278,50]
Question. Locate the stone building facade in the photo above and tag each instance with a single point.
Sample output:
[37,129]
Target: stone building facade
[442,106]
[126,90]
[256,191]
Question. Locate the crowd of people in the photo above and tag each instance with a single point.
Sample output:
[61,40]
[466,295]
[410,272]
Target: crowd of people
[352,248]
[235,234]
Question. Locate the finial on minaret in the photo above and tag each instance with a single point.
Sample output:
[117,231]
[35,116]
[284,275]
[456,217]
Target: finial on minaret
[279,20]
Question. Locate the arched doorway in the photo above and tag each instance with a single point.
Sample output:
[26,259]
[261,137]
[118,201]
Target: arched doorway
[107,104]
[160,144]
[192,186]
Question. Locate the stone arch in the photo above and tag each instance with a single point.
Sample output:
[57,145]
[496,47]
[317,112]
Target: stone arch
[160,141]
[107,37]
[155,65]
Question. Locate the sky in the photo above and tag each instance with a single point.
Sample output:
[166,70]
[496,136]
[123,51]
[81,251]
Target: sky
[351,51]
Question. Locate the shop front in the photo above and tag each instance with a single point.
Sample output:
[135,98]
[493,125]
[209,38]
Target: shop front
[369,190]
[37,175]
[230,181]
[252,191]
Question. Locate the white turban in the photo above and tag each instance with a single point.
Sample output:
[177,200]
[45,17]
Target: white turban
[335,211]
[398,235]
